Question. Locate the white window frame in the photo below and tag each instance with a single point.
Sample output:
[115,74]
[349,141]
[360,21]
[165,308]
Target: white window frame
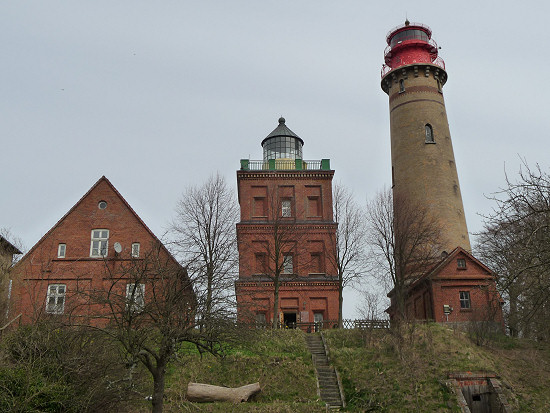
[288,264]
[286,208]
[61,250]
[55,299]
[465,300]
[99,246]
[135,250]
[135,297]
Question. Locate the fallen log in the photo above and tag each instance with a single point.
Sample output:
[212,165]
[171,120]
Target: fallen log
[198,392]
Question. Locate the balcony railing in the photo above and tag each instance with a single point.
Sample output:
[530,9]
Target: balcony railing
[438,61]
[310,327]
[285,165]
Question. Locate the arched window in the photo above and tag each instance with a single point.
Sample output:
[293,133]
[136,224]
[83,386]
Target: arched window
[401,85]
[429,134]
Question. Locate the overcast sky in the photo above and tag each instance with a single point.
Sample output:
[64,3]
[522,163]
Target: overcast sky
[158,95]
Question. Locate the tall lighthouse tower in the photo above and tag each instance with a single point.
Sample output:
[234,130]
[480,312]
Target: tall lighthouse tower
[423,163]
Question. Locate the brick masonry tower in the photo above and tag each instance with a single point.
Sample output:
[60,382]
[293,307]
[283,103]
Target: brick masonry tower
[423,163]
[285,235]
[459,288]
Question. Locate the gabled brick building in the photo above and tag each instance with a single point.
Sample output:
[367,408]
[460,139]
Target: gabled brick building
[458,289]
[286,223]
[82,253]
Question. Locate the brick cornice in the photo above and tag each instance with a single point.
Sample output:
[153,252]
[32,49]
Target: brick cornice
[297,283]
[296,227]
[291,174]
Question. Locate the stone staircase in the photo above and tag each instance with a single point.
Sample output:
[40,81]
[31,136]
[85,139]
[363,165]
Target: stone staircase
[326,374]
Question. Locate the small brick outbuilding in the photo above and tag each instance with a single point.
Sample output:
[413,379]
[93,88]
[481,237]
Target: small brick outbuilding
[458,289]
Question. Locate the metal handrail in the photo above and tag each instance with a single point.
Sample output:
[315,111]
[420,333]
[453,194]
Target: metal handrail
[411,24]
[438,61]
[283,164]
[331,324]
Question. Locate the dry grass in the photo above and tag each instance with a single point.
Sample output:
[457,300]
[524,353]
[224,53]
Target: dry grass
[392,371]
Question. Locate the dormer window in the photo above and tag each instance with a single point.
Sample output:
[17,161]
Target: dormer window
[100,242]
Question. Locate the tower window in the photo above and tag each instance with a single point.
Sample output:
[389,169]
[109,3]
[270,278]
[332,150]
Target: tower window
[401,86]
[261,263]
[429,134]
[288,267]
[286,208]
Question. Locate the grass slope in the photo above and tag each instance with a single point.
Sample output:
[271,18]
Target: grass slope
[279,360]
[387,372]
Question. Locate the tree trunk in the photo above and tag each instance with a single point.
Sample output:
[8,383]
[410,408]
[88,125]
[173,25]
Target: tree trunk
[340,300]
[197,392]
[276,302]
[158,390]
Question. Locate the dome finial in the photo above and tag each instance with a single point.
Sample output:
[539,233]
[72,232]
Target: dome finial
[281,119]
[407,22]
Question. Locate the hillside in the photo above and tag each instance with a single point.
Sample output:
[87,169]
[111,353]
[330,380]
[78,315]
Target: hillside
[63,370]
[380,371]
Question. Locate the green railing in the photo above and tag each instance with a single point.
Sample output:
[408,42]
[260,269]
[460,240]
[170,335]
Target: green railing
[285,165]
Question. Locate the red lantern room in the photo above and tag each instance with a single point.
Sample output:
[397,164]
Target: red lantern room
[410,43]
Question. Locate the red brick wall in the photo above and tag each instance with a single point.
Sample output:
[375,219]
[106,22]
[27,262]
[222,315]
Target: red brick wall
[78,271]
[427,299]
[313,233]
[303,187]
[301,298]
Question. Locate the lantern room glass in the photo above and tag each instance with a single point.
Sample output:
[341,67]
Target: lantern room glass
[282,147]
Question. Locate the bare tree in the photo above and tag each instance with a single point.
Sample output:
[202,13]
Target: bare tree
[348,249]
[11,249]
[274,249]
[150,308]
[404,242]
[205,239]
[282,253]
[515,242]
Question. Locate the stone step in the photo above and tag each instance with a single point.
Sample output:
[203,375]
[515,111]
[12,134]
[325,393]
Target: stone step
[330,393]
[331,390]
[326,376]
